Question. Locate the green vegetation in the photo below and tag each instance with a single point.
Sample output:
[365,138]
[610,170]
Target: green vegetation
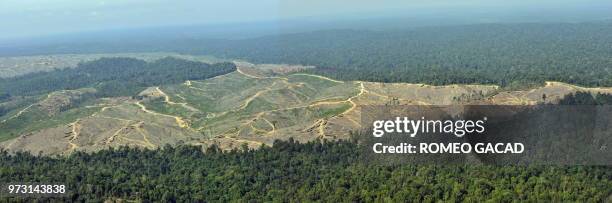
[315,171]
[158,105]
[111,77]
[334,110]
[4,96]
[7,108]
[585,98]
[509,55]
[35,119]
[31,63]
[3,111]
[114,76]
[513,56]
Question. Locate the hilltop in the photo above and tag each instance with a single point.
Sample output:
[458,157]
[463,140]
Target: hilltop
[254,105]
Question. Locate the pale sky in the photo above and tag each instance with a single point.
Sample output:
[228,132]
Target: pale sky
[19,18]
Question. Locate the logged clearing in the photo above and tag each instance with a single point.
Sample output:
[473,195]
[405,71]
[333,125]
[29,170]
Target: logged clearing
[254,105]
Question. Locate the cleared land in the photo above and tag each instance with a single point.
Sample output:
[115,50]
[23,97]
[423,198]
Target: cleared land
[253,106]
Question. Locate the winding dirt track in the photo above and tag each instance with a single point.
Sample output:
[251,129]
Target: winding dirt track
[355,95]
[320,124]
[167,100]
[17,114]
[75,135]
[179,121]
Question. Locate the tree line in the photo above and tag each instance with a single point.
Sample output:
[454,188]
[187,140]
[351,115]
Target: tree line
[291,171]
[509,55]
[585,98]
[113,76]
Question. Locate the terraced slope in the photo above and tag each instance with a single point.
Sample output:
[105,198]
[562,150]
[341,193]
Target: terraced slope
[253,106]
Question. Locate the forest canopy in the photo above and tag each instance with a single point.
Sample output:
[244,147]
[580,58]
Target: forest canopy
[514,55]
[509,55]
[290,171]
[113,76]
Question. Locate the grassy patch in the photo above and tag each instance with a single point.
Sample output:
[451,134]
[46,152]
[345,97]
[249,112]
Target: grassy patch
[313,81]
[35,119]
[169,109]
[333,111]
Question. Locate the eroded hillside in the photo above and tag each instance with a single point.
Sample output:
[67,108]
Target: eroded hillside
[252,106]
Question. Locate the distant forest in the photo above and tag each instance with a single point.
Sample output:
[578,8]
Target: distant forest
[113,76]
[510,55]
[513,55]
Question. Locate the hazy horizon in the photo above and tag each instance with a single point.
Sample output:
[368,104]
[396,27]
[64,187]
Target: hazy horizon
[32,18]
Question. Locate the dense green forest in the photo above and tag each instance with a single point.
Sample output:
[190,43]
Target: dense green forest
[503,54]
[585,98]
[113,76]
[510,55]
[314,171]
